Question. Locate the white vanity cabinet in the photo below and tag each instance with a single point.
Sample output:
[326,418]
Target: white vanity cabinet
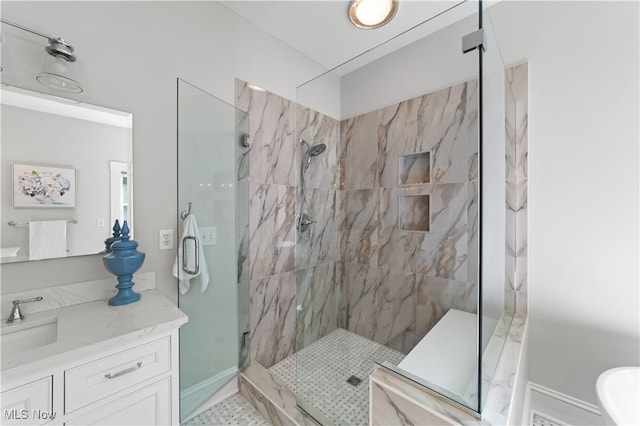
[130,387]
[30,403]
[129,378]
[135,386]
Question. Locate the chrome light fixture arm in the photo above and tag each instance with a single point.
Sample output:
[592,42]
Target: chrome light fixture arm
[57,46]
[55,73]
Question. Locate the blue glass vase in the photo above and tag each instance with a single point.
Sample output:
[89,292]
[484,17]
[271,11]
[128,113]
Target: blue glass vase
[123,261]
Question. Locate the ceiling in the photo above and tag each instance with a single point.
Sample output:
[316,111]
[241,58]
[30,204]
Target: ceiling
[321,30]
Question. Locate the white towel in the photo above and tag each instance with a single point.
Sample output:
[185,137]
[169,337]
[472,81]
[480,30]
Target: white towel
[47,239]
[190,229]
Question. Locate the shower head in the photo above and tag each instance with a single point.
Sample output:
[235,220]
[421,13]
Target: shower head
[317,149]
[312,151]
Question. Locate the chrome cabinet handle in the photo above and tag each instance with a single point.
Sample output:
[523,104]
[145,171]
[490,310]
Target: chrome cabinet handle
[123,372]
[185,267]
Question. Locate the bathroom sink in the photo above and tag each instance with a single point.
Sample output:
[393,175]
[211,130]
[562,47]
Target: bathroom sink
[618,392]
[20,337]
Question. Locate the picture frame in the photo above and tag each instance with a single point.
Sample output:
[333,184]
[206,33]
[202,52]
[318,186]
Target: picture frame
[40,186]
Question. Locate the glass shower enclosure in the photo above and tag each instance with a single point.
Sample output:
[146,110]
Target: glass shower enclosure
[404,260]
[211,191]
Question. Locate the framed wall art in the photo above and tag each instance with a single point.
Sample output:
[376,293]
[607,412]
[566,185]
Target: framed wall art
[44,186]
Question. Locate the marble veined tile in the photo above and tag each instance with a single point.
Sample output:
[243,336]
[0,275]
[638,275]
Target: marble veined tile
[518,79]
[447,124]
[361,284]
[360,226]
[381,302]
[317,298]
[435,296]
[396,305]
[314,128]
[360,160]
[271,135]
[472,232]
[271,229]
[398,136]
[442,252]
[242,229]
[273,318]
[321,244]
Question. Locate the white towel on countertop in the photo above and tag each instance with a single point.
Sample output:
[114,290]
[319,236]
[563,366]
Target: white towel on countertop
[190,229]
[47,239]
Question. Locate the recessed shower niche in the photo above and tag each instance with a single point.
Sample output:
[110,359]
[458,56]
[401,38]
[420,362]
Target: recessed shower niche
[414,212]
[414,169]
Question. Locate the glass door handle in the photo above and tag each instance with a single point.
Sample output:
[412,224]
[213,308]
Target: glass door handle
[185,267]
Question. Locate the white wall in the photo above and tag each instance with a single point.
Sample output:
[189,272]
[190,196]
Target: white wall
[435,62]
[129,55]
[584,299]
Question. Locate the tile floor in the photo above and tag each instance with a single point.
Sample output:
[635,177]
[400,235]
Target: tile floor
[331,374]
[318,374]
[234,410]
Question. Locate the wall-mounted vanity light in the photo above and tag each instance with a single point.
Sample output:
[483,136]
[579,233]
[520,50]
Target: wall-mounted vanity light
[55,71]
[370,14]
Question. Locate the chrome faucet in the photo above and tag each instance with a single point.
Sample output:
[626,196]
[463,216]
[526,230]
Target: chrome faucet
[16,314]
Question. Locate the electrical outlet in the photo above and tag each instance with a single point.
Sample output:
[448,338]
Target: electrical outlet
[165,240]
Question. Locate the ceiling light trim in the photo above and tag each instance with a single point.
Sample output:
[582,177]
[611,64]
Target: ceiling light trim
[355,20]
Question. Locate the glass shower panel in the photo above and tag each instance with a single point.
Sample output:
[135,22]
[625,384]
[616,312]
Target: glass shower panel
[498,297]
[209,154]
[388,263]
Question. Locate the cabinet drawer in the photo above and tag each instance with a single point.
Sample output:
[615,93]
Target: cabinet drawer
[150,405]
[95,380]
[30,404]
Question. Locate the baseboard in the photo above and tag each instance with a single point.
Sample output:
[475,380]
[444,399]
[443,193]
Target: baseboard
[557,406]
[207,393]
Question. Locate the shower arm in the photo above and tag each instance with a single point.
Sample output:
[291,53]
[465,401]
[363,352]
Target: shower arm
[29,30]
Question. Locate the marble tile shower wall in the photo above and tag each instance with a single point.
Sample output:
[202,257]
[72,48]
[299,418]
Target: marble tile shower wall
[273,182]
[397,283]
[318,259]
[517,184]
[361,271]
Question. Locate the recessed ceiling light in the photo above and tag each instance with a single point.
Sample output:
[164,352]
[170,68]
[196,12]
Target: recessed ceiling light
[369,14]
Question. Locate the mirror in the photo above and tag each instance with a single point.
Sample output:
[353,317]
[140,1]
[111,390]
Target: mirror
[66,175]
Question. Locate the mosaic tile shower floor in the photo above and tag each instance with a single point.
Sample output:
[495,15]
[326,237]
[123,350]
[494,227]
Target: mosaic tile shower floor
[323,369]
[235,411]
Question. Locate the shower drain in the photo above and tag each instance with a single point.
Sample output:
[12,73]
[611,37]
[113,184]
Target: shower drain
[353,380]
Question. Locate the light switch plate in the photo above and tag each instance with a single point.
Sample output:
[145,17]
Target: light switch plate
[209,236]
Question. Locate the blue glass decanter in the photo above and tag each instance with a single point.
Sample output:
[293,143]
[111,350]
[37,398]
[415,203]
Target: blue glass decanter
[123,261]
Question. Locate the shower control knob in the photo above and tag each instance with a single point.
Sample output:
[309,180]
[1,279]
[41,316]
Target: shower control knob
[303,222]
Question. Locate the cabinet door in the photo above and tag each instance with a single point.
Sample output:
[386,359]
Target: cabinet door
[30,404]
[148,406]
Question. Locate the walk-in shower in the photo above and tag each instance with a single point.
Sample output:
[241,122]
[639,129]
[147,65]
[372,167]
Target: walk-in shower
[413,288]
[363,231]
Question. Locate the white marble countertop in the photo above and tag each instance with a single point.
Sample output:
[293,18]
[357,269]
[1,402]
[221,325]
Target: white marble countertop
[91,326]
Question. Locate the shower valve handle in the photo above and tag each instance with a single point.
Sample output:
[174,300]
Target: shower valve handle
[304,222]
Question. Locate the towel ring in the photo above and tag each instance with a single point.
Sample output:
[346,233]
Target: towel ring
[186,213]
